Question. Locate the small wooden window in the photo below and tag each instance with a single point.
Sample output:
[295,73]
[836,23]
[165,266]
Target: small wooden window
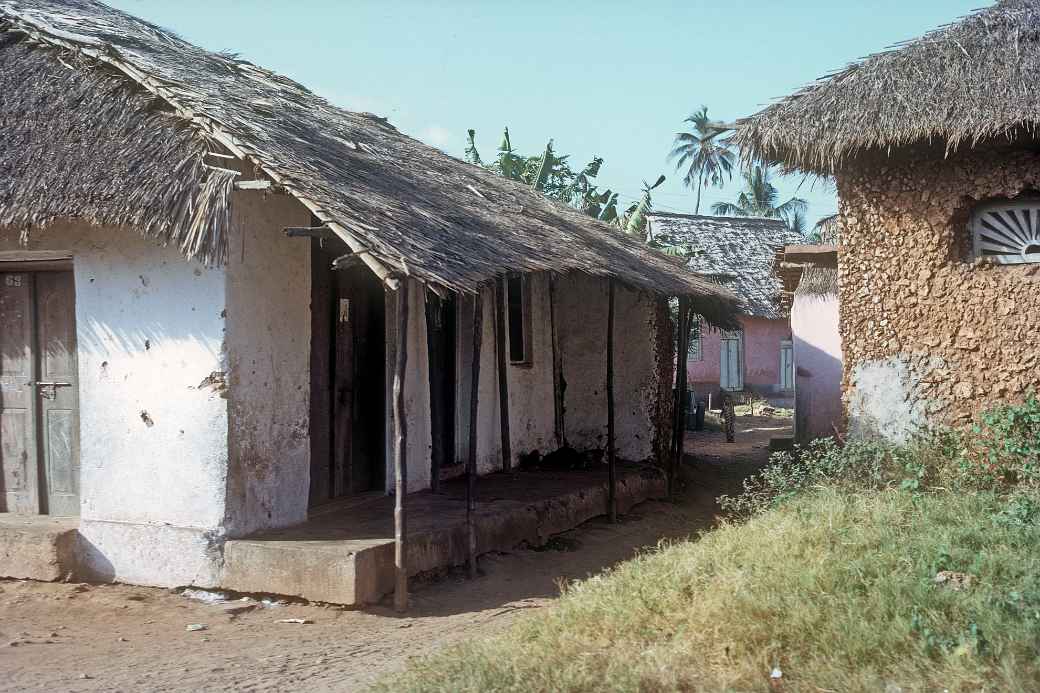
[1007,233]
[696,350]
[518,311]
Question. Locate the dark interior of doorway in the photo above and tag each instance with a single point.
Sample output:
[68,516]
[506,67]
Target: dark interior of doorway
[441,322]
[348,377]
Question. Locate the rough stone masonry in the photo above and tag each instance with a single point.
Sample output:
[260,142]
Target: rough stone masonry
[932,336]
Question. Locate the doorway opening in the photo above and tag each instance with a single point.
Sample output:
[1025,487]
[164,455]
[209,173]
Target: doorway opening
[39,390]
[441,340]
[348,381]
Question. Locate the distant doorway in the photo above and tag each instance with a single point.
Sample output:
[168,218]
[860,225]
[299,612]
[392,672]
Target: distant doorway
[348,381]
[39,392]
[731,368]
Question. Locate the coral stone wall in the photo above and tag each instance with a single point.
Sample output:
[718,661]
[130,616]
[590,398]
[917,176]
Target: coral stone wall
[930,336]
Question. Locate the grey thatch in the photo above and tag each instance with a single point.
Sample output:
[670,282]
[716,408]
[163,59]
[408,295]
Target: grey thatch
[406,208]
[737,250]
[961,84]
[818,281]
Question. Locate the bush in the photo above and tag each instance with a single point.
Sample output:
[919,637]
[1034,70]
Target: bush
[1001,453]
[860,464]
[1004,448]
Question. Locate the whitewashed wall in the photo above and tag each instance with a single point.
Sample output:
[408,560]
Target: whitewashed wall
[153,443]
[581,305]
[268,347]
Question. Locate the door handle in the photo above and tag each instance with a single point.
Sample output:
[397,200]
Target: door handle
[41,383]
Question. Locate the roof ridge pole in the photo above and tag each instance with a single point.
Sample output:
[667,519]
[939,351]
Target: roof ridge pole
[471,460]
[503,382]
[611,451]
[400,453]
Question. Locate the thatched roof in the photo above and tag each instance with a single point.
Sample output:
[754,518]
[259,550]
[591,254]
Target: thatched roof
[107,117]
[739,251]
[959,85]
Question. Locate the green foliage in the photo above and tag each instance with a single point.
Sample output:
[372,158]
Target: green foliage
[760,198]
[552,175]
[859,464]
[707,158]
[1005,446]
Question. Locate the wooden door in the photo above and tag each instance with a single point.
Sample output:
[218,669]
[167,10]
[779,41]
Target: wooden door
[343,398]
[19,481]
[39,409]
[57,391]
[731,368]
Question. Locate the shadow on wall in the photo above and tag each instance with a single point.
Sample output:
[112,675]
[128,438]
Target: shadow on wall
[818,407]
[87,563]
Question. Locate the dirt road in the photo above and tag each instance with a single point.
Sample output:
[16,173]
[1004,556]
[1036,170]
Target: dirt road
[73,637]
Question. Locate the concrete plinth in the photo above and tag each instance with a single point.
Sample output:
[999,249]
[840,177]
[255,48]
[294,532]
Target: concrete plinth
[37,547]
[346,554]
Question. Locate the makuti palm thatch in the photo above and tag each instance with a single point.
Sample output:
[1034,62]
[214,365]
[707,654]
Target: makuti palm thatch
[132,110]
[961,84]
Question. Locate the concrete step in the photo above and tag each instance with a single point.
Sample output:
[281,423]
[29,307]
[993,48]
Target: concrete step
[37,547]
[348,558]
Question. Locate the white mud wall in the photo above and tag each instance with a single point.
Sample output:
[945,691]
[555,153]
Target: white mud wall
[581,312]
[153,439]
[268,376]
[419,450]
[582,325]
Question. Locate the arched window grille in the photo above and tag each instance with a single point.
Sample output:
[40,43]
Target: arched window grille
[1006,232]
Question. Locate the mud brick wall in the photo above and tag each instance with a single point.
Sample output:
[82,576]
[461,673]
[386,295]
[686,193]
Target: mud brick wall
[931,336]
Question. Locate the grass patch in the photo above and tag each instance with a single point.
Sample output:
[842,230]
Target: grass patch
[831,579]
[834,587]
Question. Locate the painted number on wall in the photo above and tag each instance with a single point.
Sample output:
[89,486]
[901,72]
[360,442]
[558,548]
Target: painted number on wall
[13,279]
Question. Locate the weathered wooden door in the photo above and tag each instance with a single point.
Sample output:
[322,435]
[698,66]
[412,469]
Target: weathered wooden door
[39,429]
[731,368]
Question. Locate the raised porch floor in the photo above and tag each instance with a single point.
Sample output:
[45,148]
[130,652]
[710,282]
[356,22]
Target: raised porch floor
[344,554]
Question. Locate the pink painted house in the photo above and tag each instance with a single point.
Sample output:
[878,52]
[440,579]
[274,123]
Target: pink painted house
[810,280]
[739,252]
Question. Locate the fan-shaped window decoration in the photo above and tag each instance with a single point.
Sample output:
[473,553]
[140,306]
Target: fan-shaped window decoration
[1007,232]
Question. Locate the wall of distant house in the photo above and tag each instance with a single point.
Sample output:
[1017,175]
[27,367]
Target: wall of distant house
[931,337]
[762,339]
[153,450]
[818,369]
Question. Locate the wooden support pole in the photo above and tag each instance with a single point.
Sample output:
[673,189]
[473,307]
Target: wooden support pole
[471,460]
[400,454]
[679,411]
[611,451]
[559,423]
[503,375]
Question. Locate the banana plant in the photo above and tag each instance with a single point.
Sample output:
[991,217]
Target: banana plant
[635,216]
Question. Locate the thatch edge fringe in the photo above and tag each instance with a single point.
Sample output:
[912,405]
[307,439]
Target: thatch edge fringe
[213,129]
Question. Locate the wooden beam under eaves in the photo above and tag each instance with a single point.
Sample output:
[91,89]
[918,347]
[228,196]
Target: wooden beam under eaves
[253,185]
[322,232]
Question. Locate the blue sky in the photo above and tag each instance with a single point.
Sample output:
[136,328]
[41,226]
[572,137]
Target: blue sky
[607,78]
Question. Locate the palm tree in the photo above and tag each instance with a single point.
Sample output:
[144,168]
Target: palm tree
[706,158]
[759,199]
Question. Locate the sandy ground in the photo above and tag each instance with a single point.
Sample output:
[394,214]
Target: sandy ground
[76,637]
